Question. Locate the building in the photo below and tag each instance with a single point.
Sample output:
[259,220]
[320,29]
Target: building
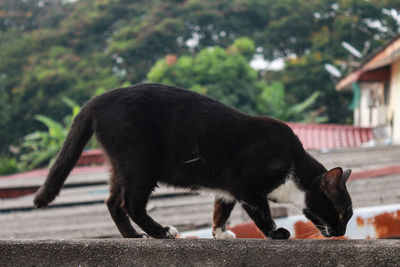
[377,82]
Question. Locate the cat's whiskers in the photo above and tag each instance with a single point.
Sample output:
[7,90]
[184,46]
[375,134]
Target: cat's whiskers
[307,234]
[311,231]
[324,229]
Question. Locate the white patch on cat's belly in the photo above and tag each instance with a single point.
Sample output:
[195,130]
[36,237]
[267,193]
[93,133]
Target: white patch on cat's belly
[221,194]
[288,192]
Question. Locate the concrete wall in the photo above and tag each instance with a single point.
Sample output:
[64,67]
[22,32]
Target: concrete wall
[199,252]
[371,112]
[394,105]
[380,114]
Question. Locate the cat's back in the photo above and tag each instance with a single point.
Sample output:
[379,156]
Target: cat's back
[276,135]
[163,100]
[149,92]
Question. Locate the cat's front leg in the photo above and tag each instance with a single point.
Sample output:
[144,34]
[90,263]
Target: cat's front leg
[257,208]
[222,211]
[279,233]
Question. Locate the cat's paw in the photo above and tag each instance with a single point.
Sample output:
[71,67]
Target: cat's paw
[279,233]
[144,236]
[219,234]
[172,232]
[42,198]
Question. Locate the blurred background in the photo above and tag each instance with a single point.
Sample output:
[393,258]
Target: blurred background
[329,68]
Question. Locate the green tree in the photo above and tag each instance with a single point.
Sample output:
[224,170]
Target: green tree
[224,74]
[8,165]
[41,147]
[305,75]
[57,48]
[273,102]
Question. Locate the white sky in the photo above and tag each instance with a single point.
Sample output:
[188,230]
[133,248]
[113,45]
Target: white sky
[259,63]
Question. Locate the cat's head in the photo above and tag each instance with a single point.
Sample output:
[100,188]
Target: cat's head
[328,204]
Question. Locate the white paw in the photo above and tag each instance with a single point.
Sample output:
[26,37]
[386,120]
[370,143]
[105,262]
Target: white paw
[219,234]
[172,232]
[228,235]
[145,236]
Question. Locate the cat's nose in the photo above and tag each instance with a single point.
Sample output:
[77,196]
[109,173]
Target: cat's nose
[342,230]
[337,233]
[341,233]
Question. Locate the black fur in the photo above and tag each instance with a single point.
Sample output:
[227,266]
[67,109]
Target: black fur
[155,133]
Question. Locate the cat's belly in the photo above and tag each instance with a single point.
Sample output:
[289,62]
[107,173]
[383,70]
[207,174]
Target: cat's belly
[221,194]
[288,193]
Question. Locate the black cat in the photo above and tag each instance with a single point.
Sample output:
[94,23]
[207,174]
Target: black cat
[155,133]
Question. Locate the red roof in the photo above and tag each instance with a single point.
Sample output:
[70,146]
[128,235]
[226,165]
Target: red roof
[331,136]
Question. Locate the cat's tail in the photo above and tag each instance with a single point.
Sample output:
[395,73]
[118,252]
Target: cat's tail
[78,136]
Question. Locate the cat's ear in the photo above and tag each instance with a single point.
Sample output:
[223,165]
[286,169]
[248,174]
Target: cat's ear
[346,175]
[331,181]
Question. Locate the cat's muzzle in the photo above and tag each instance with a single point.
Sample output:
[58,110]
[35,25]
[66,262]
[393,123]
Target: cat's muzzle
[327,231]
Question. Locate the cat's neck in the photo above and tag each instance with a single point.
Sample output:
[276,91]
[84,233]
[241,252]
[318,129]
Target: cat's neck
[299,179]
[307,170]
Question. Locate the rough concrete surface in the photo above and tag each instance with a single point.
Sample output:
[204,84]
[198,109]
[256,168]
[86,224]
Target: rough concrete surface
[199,252]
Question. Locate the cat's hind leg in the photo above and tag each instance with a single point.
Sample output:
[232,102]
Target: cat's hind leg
[222,211]
[135,200]
[119,216]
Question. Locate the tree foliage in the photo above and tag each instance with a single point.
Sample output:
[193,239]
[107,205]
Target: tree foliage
[40,147]
[50,49]
[224,74]
[273,102]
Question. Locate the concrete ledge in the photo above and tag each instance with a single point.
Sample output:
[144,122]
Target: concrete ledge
[199,252]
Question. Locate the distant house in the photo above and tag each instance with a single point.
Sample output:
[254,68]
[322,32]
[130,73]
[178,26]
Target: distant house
[377,84]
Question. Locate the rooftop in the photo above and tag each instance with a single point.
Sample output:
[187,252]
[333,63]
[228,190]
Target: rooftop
[374,65]
[331,136]
[80,212]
